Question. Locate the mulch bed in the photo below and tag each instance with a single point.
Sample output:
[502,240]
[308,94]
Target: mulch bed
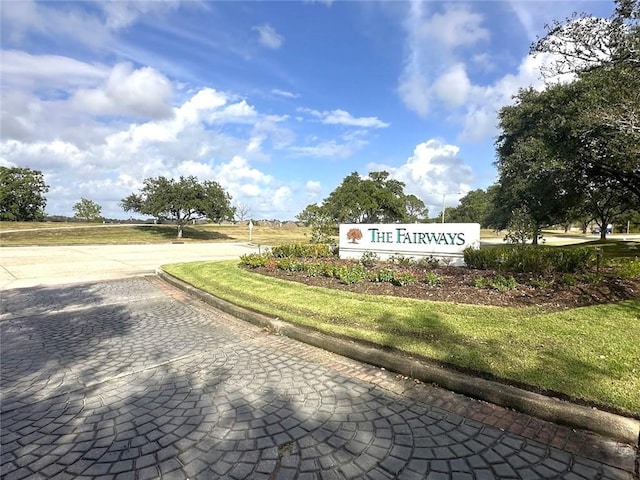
[457,285]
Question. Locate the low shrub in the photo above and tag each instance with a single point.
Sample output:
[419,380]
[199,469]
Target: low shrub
[401,279]
[328,269]
[499,282]
[626,267]
[432,279]
[349,274]
[401,260]
[483,258]
[593,278]
[256,260]
[313,269]
[382,275]
[369,259]
[479,282]
[502,284]
[302,250]
[290,264]
[428,263]
[573,260]
[541,282]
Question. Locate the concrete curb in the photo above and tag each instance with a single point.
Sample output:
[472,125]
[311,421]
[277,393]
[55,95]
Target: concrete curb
[616,427]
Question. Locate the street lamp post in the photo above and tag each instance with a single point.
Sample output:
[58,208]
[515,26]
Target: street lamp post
[444,195]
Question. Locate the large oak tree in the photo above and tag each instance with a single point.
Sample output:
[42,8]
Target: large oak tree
[576,146]
[22,194]
[604,56]
[181,201]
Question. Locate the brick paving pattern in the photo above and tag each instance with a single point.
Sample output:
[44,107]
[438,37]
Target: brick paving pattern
[131,379]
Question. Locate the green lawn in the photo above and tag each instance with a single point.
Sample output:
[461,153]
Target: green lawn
[590,354]
[100,234]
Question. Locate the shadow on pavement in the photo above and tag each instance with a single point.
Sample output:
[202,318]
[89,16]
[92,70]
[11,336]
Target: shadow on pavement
[115,379]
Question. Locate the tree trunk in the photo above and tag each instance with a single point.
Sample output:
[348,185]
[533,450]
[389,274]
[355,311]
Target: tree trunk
[603,233]
[179,230]
[536,235]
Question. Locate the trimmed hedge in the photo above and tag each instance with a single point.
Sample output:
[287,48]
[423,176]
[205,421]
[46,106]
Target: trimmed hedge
[302,250]
[531,259]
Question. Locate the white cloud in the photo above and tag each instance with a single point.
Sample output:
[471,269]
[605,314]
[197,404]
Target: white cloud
[93,27]
[434,169]
[431,43]
[439,57]
[480,113]
[240,112]
[414,90]
[122,14]
[24,71]
[313,187]
[284,93]
[456,26]
[313,190]
[203,171]
[143,92]
[341,117]
[113,158]
[330,149]
[46,97]
[281,197]
[262,193]
[327,3]
[453,87]
[268,37]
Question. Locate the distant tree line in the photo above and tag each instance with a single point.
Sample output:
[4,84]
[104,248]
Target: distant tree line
[22,198]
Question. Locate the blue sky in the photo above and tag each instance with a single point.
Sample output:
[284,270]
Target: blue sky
[277,101]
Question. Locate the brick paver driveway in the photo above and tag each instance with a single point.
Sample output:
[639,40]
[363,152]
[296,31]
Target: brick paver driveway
[131,379]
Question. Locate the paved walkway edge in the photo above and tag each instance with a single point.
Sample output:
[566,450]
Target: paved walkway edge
[613,426]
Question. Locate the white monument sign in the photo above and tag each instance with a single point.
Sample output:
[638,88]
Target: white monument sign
[438,240]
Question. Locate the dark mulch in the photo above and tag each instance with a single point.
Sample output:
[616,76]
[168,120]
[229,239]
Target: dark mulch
[457,285]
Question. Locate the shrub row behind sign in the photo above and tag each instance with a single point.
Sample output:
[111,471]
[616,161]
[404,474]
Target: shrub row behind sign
[531,259]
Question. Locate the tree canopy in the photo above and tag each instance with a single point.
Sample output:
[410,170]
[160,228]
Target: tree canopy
[87,210]
[22,194]
[372,199]
[475,207]
[376,198]
[574,148]
[181,200]
[604,56]
[416,209]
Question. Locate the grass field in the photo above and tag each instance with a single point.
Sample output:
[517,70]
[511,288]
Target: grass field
[591,354]
[32,233]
